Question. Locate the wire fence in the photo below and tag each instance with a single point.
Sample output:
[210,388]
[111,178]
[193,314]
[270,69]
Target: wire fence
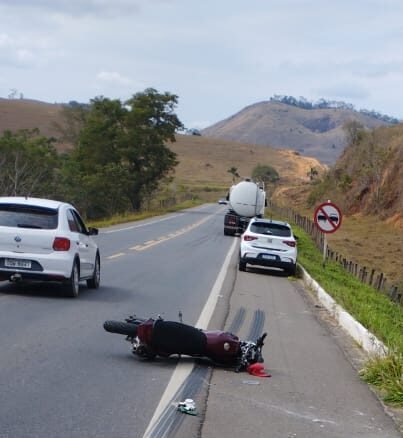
[365,274]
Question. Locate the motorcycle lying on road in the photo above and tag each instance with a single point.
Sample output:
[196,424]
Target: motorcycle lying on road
[156,337]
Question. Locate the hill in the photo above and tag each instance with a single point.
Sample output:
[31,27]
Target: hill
[205,161]
[316,132]
[28,114]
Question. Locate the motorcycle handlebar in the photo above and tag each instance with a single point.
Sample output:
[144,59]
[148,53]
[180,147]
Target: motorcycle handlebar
[259,342]
[122,328]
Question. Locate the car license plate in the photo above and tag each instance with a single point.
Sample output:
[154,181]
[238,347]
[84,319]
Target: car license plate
[268,257]
[269,240]
[15,263]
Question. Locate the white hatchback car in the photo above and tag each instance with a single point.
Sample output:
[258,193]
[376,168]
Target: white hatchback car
[47,240]
[267,242]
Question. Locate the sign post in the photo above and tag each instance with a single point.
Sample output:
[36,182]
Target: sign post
[327,218]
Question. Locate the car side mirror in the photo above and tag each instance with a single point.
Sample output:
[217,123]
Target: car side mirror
[93,231]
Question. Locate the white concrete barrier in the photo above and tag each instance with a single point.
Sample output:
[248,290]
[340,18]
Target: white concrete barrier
[368,341]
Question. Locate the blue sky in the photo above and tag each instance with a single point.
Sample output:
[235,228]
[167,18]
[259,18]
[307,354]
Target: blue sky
[217,56]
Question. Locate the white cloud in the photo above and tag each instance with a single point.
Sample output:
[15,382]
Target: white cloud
[218,57]
[344,91]
[5,40]
[24,56]
[75,8]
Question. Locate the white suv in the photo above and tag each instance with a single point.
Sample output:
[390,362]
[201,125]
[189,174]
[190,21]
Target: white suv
[267,242]
[47,240]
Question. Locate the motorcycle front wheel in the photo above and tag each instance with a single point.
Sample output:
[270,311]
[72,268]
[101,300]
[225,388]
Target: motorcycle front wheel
[122,328]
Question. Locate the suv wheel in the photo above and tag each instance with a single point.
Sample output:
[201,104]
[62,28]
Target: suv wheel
[242,265]
[293,270]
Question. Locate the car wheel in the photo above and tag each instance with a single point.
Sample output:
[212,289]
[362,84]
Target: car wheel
[242,265]
[93,283]
[73,283]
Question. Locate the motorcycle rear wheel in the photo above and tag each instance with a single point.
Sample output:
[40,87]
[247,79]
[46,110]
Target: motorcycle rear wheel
[122,328]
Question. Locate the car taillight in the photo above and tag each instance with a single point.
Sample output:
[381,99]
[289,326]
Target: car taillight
[290,243]
[248,238]
[61,244]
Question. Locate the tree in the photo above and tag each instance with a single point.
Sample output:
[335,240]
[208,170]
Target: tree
[313,173]
[73,115]
[151,122]
[354,132]
[373,157]
[234,172]
[265,173]
[120,156]
[28,164]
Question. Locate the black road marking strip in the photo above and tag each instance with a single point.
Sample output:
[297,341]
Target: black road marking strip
[257,325]
[238,320]
[171,419]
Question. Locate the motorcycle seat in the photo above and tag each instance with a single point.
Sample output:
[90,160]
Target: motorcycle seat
[177,338]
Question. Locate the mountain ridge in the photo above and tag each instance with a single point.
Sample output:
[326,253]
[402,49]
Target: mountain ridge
[316,132]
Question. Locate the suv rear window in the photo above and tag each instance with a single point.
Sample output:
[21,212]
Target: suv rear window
[270,228]
[28,216]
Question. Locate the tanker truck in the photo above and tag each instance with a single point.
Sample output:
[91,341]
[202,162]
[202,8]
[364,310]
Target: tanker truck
[246,200]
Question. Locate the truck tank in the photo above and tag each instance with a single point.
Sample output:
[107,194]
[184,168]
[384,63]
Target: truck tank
[246,200]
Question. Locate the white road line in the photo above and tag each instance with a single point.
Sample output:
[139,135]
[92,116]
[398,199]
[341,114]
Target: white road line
[183,370]
[144,224]
[141,225]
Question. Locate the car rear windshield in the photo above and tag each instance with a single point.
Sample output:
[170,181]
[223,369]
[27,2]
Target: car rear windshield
[28,216]
[270,228]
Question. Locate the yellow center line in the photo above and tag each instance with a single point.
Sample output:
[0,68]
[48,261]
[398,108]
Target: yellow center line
[170,236]
[136,248]
[150,243]
[114,256]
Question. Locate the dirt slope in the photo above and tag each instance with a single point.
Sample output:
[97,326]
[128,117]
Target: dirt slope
[28,114]
[206,161]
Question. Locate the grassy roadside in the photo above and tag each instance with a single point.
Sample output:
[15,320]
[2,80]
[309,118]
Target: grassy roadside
[372,309]
[131,217]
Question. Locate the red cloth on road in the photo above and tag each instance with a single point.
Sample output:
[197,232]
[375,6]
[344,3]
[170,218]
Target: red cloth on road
[257,369]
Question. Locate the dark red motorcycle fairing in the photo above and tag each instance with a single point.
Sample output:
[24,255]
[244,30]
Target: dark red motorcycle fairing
[222,346]
[145,331]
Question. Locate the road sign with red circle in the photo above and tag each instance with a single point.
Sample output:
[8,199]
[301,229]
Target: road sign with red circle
[327,217]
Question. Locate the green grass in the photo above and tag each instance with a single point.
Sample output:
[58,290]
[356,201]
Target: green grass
[386,374]
[372,309]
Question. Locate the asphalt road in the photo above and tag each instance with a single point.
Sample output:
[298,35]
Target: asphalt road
[61,375]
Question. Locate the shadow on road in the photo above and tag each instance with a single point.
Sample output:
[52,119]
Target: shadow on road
[274,272]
